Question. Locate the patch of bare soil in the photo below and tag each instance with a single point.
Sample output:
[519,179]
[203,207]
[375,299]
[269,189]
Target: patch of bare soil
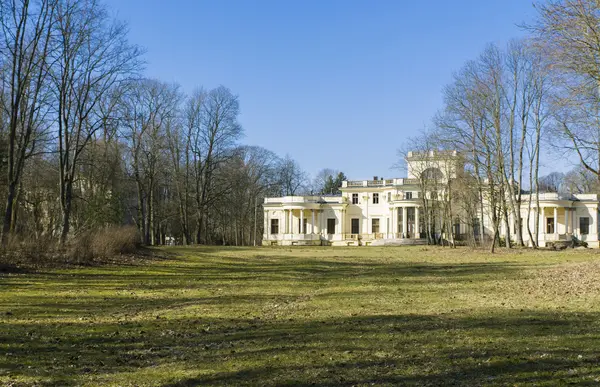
[569,279]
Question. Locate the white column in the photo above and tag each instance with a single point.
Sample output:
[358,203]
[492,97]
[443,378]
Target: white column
[302,230]
[594,228]
[312,223]
[320,217]
[291,222]
[393,222]
[404,221]
[417,228]
[566,220]
[556,223]
[267,225]
[542,216]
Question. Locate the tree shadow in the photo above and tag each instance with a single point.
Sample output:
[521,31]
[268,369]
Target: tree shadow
[504,348]
[92,325]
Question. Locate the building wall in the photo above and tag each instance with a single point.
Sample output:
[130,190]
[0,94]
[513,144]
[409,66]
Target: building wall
[393,195]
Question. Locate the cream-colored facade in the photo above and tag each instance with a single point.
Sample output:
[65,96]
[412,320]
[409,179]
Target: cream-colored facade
[389,212]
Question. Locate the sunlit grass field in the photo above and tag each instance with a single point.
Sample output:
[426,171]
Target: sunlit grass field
[307,316]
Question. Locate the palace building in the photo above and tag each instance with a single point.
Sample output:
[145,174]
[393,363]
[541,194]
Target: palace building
[398,211]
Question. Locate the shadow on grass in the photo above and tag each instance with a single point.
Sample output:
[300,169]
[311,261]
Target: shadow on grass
[95,325]
[503,348]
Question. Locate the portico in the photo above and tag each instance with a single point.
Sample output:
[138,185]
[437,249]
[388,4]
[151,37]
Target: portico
[561,218]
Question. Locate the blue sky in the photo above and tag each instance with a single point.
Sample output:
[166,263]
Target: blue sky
[334,84]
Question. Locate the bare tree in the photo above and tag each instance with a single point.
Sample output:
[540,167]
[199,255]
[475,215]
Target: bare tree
[150,109]
[26,38]
[580,180]
[567,32]
[90,58]
[214,133]
[292,178]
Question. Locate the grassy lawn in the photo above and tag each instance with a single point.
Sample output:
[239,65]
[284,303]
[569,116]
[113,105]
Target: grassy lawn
[307,316]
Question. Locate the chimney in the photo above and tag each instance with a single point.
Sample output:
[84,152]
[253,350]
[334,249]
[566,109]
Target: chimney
[375,178]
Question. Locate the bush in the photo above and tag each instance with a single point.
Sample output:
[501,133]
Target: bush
[84,248]
[112,241]
[104,243]
[27,249]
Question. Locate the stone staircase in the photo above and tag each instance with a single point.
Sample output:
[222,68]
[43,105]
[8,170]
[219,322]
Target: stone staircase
[399,242]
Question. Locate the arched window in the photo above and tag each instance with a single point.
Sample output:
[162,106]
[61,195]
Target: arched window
[433,174]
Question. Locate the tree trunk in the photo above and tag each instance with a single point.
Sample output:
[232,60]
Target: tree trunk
[66,210]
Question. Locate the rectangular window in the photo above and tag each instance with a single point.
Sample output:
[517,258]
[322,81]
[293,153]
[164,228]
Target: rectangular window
[550,225]
[400,221]
[476,229]
[375,226]
[331,226]
[355,198]
[456,227]
[584,225]
[389,196]
[355,226]
[274,226]
[408,195]
[303,229]
[375,198]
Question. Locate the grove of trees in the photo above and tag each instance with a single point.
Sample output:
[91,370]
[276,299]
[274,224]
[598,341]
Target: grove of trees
[509,110]
[87,141]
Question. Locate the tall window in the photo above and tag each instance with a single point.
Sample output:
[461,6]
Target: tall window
[302,226]
[331,226]
[355,226]
[476,229]
[456,227]
[375,226]
[408,195]
[375,198]
[550,226]
[274,226]
[400,221]
[584,225]
[354,198]
[389,196]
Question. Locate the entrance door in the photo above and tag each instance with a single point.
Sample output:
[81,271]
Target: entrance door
[331,226]
[550,225]
[355,226]
[303,229]
[410,226]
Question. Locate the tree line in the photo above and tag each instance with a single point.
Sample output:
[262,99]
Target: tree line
[507,112]
[86,141]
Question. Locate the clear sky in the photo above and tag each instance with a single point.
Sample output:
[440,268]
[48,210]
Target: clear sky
[334,84]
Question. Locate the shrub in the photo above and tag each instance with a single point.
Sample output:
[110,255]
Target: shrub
[104,243]
[84,248]
[112,241]
[79,248]
[27,249]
